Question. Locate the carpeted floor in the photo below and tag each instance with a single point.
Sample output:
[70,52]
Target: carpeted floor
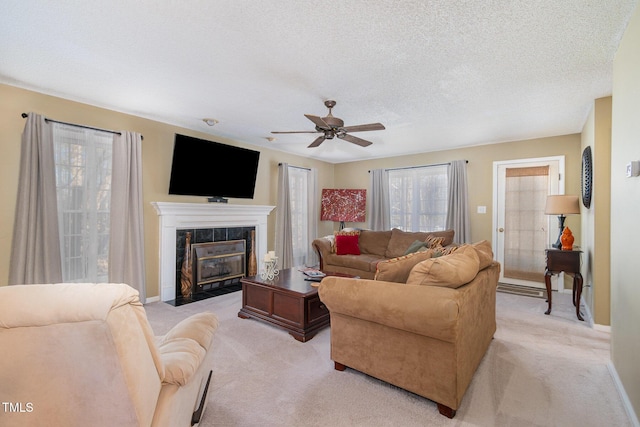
[539,371]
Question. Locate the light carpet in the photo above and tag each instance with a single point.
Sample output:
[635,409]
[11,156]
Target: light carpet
[539,371]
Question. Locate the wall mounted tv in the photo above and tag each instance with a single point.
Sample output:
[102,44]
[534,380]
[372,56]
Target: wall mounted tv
[212,169]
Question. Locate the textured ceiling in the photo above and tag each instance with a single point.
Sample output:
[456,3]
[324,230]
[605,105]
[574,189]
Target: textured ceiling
[438,74]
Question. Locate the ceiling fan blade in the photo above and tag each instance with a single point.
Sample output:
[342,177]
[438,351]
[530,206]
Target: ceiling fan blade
[318,121]
[319,140]
[358,141]
[296,131]
[363,128]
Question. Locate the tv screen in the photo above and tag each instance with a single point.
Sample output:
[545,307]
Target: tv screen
[212,169]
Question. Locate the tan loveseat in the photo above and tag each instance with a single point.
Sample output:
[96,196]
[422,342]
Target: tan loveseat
[374,246]
[85,355]
[428,335]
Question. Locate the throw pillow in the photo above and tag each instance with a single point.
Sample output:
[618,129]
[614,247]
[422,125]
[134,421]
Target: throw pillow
[415,247]
[347,244]
[343,233]
[450,271]
[398,269]
[434,241]
[440,251]
[400,240]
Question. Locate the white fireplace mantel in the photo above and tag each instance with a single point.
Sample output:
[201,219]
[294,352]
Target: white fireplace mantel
[176,216]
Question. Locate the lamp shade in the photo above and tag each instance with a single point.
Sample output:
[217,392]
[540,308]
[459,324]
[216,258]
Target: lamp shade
[562,205]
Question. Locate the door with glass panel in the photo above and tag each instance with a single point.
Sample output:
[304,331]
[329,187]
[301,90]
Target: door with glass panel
[522,231]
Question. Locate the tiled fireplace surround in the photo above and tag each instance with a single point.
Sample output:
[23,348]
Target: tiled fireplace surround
[220,221]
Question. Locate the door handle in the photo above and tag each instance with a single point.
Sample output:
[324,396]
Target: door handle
[501,230]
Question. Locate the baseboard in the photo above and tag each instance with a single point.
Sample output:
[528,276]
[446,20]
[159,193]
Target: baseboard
[602,328]
[594,326]
[152,299]
[623,395]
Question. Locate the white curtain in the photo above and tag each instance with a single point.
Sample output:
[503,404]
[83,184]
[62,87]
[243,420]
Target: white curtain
[284,238]
[35,251]
[418,198]
[314,217]
[126,243]
[379,200]
[458,206]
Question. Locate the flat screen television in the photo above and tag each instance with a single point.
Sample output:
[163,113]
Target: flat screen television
[212,169]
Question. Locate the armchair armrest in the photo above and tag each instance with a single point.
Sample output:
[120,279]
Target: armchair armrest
[425,310]
[185,346]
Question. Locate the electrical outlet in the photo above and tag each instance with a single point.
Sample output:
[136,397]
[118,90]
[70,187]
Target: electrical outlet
[482,209]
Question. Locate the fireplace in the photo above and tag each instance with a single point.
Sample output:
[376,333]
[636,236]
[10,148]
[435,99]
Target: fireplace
[209,222]
[218,262]
[211,261]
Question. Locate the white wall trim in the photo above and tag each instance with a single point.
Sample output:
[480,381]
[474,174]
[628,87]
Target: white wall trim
[594,326]
[623,395]
[175,216]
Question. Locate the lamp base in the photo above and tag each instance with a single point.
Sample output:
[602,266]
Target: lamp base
[558,243]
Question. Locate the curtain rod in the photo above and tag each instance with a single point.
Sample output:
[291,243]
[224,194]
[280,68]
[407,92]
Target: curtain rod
[420,166]
[25,115]
[297,167]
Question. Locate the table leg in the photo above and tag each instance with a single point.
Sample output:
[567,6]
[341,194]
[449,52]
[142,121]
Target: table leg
[547,282]
[577,290]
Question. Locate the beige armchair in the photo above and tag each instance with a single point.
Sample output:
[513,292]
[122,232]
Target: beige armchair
[85,355]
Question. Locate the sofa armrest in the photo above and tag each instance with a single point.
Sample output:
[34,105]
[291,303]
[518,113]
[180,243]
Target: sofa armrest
[323,248]
[425,310]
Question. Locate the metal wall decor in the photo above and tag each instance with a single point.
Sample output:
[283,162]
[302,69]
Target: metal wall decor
[586,180]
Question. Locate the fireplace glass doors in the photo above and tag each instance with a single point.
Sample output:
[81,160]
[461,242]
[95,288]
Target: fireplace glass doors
[216,262]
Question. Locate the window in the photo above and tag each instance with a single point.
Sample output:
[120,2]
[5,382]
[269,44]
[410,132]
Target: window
[418,198]
[83,184]
[299,190]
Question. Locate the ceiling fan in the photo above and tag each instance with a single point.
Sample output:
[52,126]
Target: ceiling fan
[331,126]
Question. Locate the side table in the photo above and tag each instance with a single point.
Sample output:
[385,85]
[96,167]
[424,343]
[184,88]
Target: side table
[568,261]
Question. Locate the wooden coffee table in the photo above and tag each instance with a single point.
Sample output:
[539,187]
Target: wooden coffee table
[288,301]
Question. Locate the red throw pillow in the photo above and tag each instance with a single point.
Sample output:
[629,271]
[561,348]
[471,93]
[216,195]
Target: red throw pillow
[347,245]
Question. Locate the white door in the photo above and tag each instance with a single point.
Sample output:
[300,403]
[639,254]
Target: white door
[522,231]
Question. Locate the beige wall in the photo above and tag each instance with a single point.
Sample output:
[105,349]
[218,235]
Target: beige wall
[625,212]
[596,220]
[479,173]
[157,149]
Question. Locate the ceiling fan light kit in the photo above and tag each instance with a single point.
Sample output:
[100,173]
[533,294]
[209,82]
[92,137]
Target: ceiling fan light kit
[331,127]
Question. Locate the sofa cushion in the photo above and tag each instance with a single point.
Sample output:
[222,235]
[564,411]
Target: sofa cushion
[451,271]
[363,262]
[374,242]
[347,244]
[401,240]
[398,269]
[485,253]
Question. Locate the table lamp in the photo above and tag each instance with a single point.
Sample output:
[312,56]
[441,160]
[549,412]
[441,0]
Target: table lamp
[561,205]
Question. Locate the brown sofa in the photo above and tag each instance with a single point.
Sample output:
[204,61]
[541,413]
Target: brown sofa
[375,246]
[428,335]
